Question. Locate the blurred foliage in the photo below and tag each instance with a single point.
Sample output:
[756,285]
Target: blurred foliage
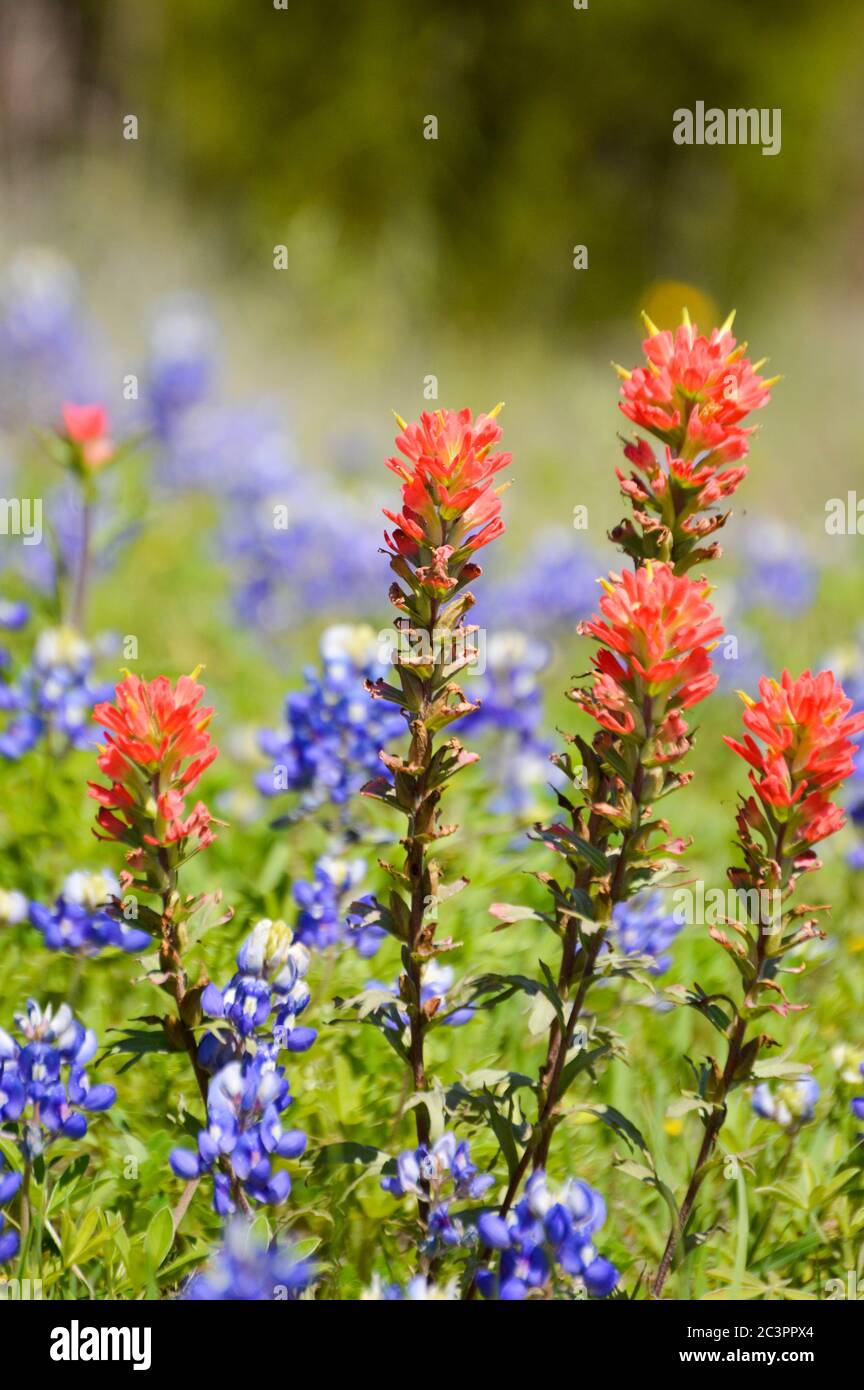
[304,126]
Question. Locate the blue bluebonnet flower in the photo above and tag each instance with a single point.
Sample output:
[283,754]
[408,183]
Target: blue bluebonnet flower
[441,1175]
[546,1239]
[778,574]
[322,561]
[263,999]
[13,615]
[334,730]
[244,1134]
[855,801]
[54,696]
[45,353]
[9,1184]
[551,589]
[181,363]
[249,1270]
[420,1289]
[324,918]
[79,923]
[14,907]
[511,706]
[857,1102]
[44,1088]
[643,927]
[791,1105]
[438,981]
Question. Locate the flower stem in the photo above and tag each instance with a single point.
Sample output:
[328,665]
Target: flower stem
[82,578]
[718,1115]
[537,1149]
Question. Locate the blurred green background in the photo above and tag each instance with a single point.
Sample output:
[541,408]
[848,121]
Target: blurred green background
[303,128]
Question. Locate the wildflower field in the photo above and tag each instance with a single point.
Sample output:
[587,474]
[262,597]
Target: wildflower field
[430,847]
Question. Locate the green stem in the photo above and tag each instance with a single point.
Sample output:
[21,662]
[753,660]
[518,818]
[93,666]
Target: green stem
[717,1118]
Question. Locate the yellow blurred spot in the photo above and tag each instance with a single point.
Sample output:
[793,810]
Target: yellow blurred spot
[584,1117]
[663,300]
[856,944]
[673,1127]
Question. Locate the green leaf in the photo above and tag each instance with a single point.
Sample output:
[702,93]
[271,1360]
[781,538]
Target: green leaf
[582,1061]
[335,1155]
[80,1236]
[619,1123]
[564,840]
[780,1069]
[433,1102]
[508,913]
[742,1234]
[685,1104]
[159,1237]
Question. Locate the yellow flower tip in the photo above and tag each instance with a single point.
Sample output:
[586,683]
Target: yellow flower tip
[193,675]
[772,381]
[622,371]
[652,327]
[746,698]
[604,584]
[757,366]
[499,407]
[673,1127]
[649,566]
[403,424]
[726,326]
[502,487]
[685,317]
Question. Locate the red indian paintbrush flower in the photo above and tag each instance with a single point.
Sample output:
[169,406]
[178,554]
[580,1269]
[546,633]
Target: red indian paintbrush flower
[156,748]
[656,632]
[87,428]
[681,488]
[808,735]
[449,505]
[695,391]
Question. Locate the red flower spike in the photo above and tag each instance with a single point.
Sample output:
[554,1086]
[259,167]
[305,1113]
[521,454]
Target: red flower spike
[800,746]
[695,391]
[450,507]
[155,751]
[87,427]
[656,631]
